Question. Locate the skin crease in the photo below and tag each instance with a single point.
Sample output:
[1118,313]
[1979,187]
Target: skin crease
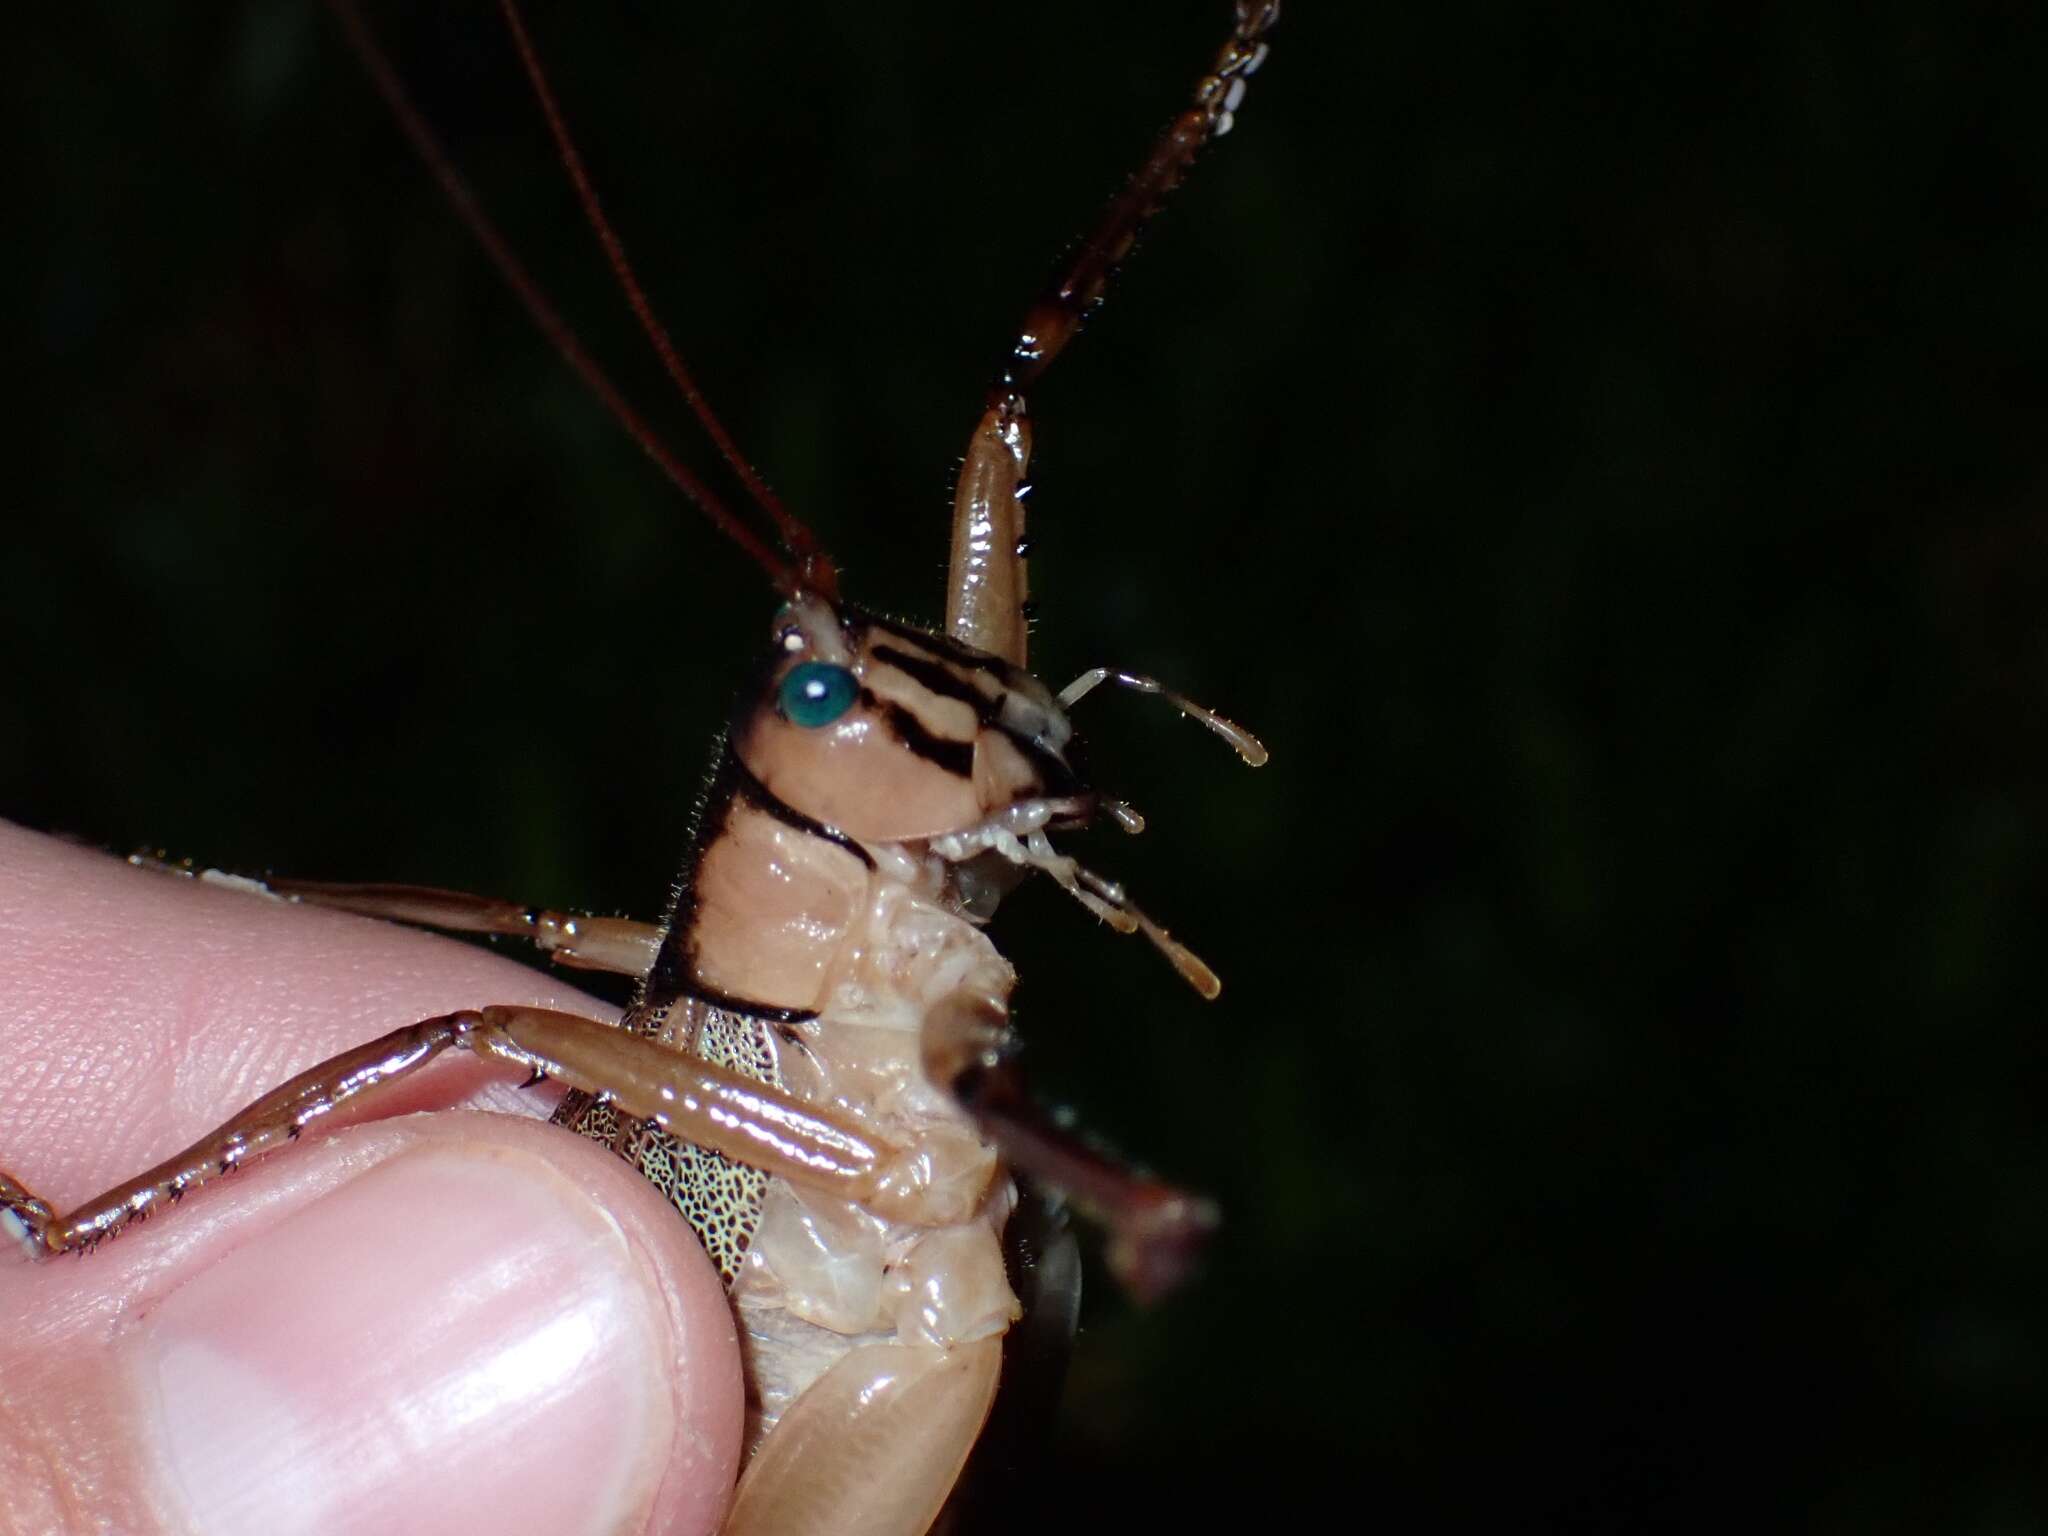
[138,1010]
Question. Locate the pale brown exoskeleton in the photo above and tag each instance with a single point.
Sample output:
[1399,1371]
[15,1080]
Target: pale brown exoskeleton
[817,1069]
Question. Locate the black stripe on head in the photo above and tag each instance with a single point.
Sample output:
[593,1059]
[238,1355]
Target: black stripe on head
[1059,776]
[945,645]
[762,798]
[955,757]
[933,677]
[1060,779]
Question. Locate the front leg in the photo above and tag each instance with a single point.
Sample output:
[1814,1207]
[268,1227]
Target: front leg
[682,1095]
[385,1284]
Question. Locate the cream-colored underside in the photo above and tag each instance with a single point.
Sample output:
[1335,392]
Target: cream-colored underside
[854,1327]
[822,1276]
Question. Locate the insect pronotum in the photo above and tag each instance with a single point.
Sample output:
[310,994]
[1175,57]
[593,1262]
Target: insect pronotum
[819,1057]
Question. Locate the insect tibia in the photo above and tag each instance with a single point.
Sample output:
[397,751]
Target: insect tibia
[1155,1230]
[1154,1250]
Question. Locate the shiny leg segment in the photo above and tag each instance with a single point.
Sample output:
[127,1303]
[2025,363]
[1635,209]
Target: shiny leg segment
[615,944]
[687,1097]
[1155,1230]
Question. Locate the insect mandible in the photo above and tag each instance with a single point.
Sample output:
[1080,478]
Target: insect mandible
[825,1049]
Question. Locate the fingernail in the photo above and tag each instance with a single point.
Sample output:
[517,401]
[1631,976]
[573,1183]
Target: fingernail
[456,1341]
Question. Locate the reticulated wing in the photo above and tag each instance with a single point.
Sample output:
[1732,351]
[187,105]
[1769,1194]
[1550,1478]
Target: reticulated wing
[721,1199]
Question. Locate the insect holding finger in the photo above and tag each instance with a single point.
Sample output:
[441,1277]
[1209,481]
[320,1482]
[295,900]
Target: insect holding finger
[826,939]
[819,1066]
[880,789]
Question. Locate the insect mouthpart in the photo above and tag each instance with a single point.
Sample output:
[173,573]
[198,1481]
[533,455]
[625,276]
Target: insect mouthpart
[1017,833]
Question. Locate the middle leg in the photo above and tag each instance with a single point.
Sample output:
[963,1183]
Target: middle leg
[617,944]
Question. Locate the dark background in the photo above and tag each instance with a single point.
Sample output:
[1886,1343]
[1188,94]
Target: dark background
[1600,447]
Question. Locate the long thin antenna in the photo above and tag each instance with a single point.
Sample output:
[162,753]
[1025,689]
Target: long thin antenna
[802,544]
[1084,277]
[986,576]
[551,324]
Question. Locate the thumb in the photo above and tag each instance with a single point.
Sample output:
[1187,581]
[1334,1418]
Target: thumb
[429,1325]
[450,1322]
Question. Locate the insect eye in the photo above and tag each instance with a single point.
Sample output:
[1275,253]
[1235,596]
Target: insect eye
[816,693]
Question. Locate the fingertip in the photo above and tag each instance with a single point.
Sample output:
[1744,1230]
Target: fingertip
[448,1323]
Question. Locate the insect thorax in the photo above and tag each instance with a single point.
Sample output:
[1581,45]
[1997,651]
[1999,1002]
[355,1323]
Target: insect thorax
[721,1199]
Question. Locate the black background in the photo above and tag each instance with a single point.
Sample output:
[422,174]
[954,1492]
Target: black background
[1600,447]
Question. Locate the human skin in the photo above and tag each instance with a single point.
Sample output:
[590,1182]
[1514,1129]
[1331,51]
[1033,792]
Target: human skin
[455,1320]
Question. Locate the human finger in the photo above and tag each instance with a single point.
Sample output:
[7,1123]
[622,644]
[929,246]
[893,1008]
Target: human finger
[445,1322]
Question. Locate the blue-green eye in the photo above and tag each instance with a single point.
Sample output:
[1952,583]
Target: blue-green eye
[816,693]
